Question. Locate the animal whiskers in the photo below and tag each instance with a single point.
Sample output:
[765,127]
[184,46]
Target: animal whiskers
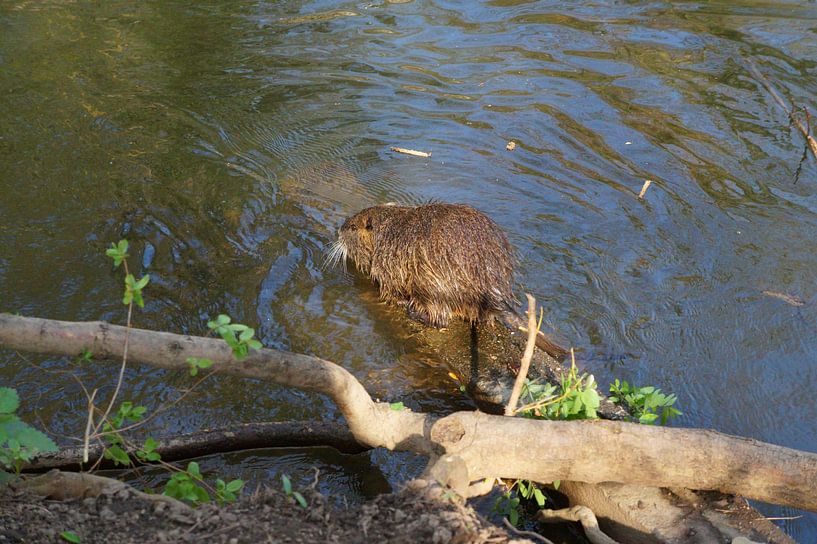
[335,254]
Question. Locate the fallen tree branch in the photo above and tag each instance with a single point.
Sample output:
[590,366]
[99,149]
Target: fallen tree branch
[581,514]
[71,485]
[246,436]
[487,446]
[372,424]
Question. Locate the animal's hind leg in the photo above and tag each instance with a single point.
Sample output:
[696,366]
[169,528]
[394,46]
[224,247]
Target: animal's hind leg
[432,315]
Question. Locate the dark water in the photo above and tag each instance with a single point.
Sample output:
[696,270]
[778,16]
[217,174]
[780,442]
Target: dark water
[227,140]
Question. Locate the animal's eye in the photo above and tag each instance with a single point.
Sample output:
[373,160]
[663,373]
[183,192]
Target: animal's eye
[353,227]
[369,224]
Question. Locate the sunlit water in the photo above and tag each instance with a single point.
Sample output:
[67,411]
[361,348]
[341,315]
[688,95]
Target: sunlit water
[227,140]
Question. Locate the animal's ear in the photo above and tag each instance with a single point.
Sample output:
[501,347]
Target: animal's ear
[369,223]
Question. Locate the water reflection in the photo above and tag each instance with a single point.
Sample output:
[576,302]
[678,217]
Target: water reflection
[228,140]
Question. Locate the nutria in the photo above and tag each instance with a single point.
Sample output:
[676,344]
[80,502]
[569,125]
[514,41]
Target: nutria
[440,260]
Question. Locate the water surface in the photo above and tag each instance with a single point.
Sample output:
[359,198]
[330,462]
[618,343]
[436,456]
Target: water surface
[227,140]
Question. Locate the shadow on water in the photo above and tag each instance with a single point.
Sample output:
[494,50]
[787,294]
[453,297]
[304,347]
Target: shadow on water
[227,141]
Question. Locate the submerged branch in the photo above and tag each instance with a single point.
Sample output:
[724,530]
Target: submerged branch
[239,437]
[802,127]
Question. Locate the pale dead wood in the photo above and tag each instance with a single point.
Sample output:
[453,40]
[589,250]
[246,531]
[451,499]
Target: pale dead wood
[647,183]
[510,409]
[581,514]
[88,423]
[170,351]
[486,446]
[411,152]
[793,300]
[74,485]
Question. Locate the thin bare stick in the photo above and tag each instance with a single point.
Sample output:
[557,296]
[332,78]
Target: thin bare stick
[88,425]
[647,183]
[411,152]
[533,330]
[804,130]
[121,377]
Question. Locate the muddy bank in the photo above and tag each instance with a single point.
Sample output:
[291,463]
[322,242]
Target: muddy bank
[415,514]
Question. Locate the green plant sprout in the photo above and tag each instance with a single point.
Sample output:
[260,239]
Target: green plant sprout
[197,364]
[287,487]
[647,404]
[240,344]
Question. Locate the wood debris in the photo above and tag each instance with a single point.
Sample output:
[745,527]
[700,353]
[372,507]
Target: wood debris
[794,300]
[647,183]
[410,152]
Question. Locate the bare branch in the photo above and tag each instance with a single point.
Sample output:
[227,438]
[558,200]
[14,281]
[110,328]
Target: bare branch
[510,409]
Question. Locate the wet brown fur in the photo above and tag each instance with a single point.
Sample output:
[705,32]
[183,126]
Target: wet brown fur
[440,260]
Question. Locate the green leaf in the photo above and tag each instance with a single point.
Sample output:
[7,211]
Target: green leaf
[117,455]
[85,356]
[540,497]
[397,406]
[193,470]
[514,517]
[31,438]
[556,484]
[70,536]
[300,499]
[9,400]
[287,483]
[234,486]
[118,252]
[246,334]
[220,321]
[255,344]
[648,419]
[142,282]
[199,495]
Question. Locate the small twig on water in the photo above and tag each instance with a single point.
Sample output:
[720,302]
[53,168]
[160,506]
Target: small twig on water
[533,330]
[410,152]
[647,183]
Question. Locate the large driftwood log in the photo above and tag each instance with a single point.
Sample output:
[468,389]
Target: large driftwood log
[476,445]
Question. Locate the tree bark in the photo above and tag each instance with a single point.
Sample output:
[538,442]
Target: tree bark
[239,437]
[483,445]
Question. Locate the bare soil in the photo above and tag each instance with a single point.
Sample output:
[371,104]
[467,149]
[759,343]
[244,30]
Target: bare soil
[415,514]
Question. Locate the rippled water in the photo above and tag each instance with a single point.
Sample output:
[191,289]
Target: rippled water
[227,140]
